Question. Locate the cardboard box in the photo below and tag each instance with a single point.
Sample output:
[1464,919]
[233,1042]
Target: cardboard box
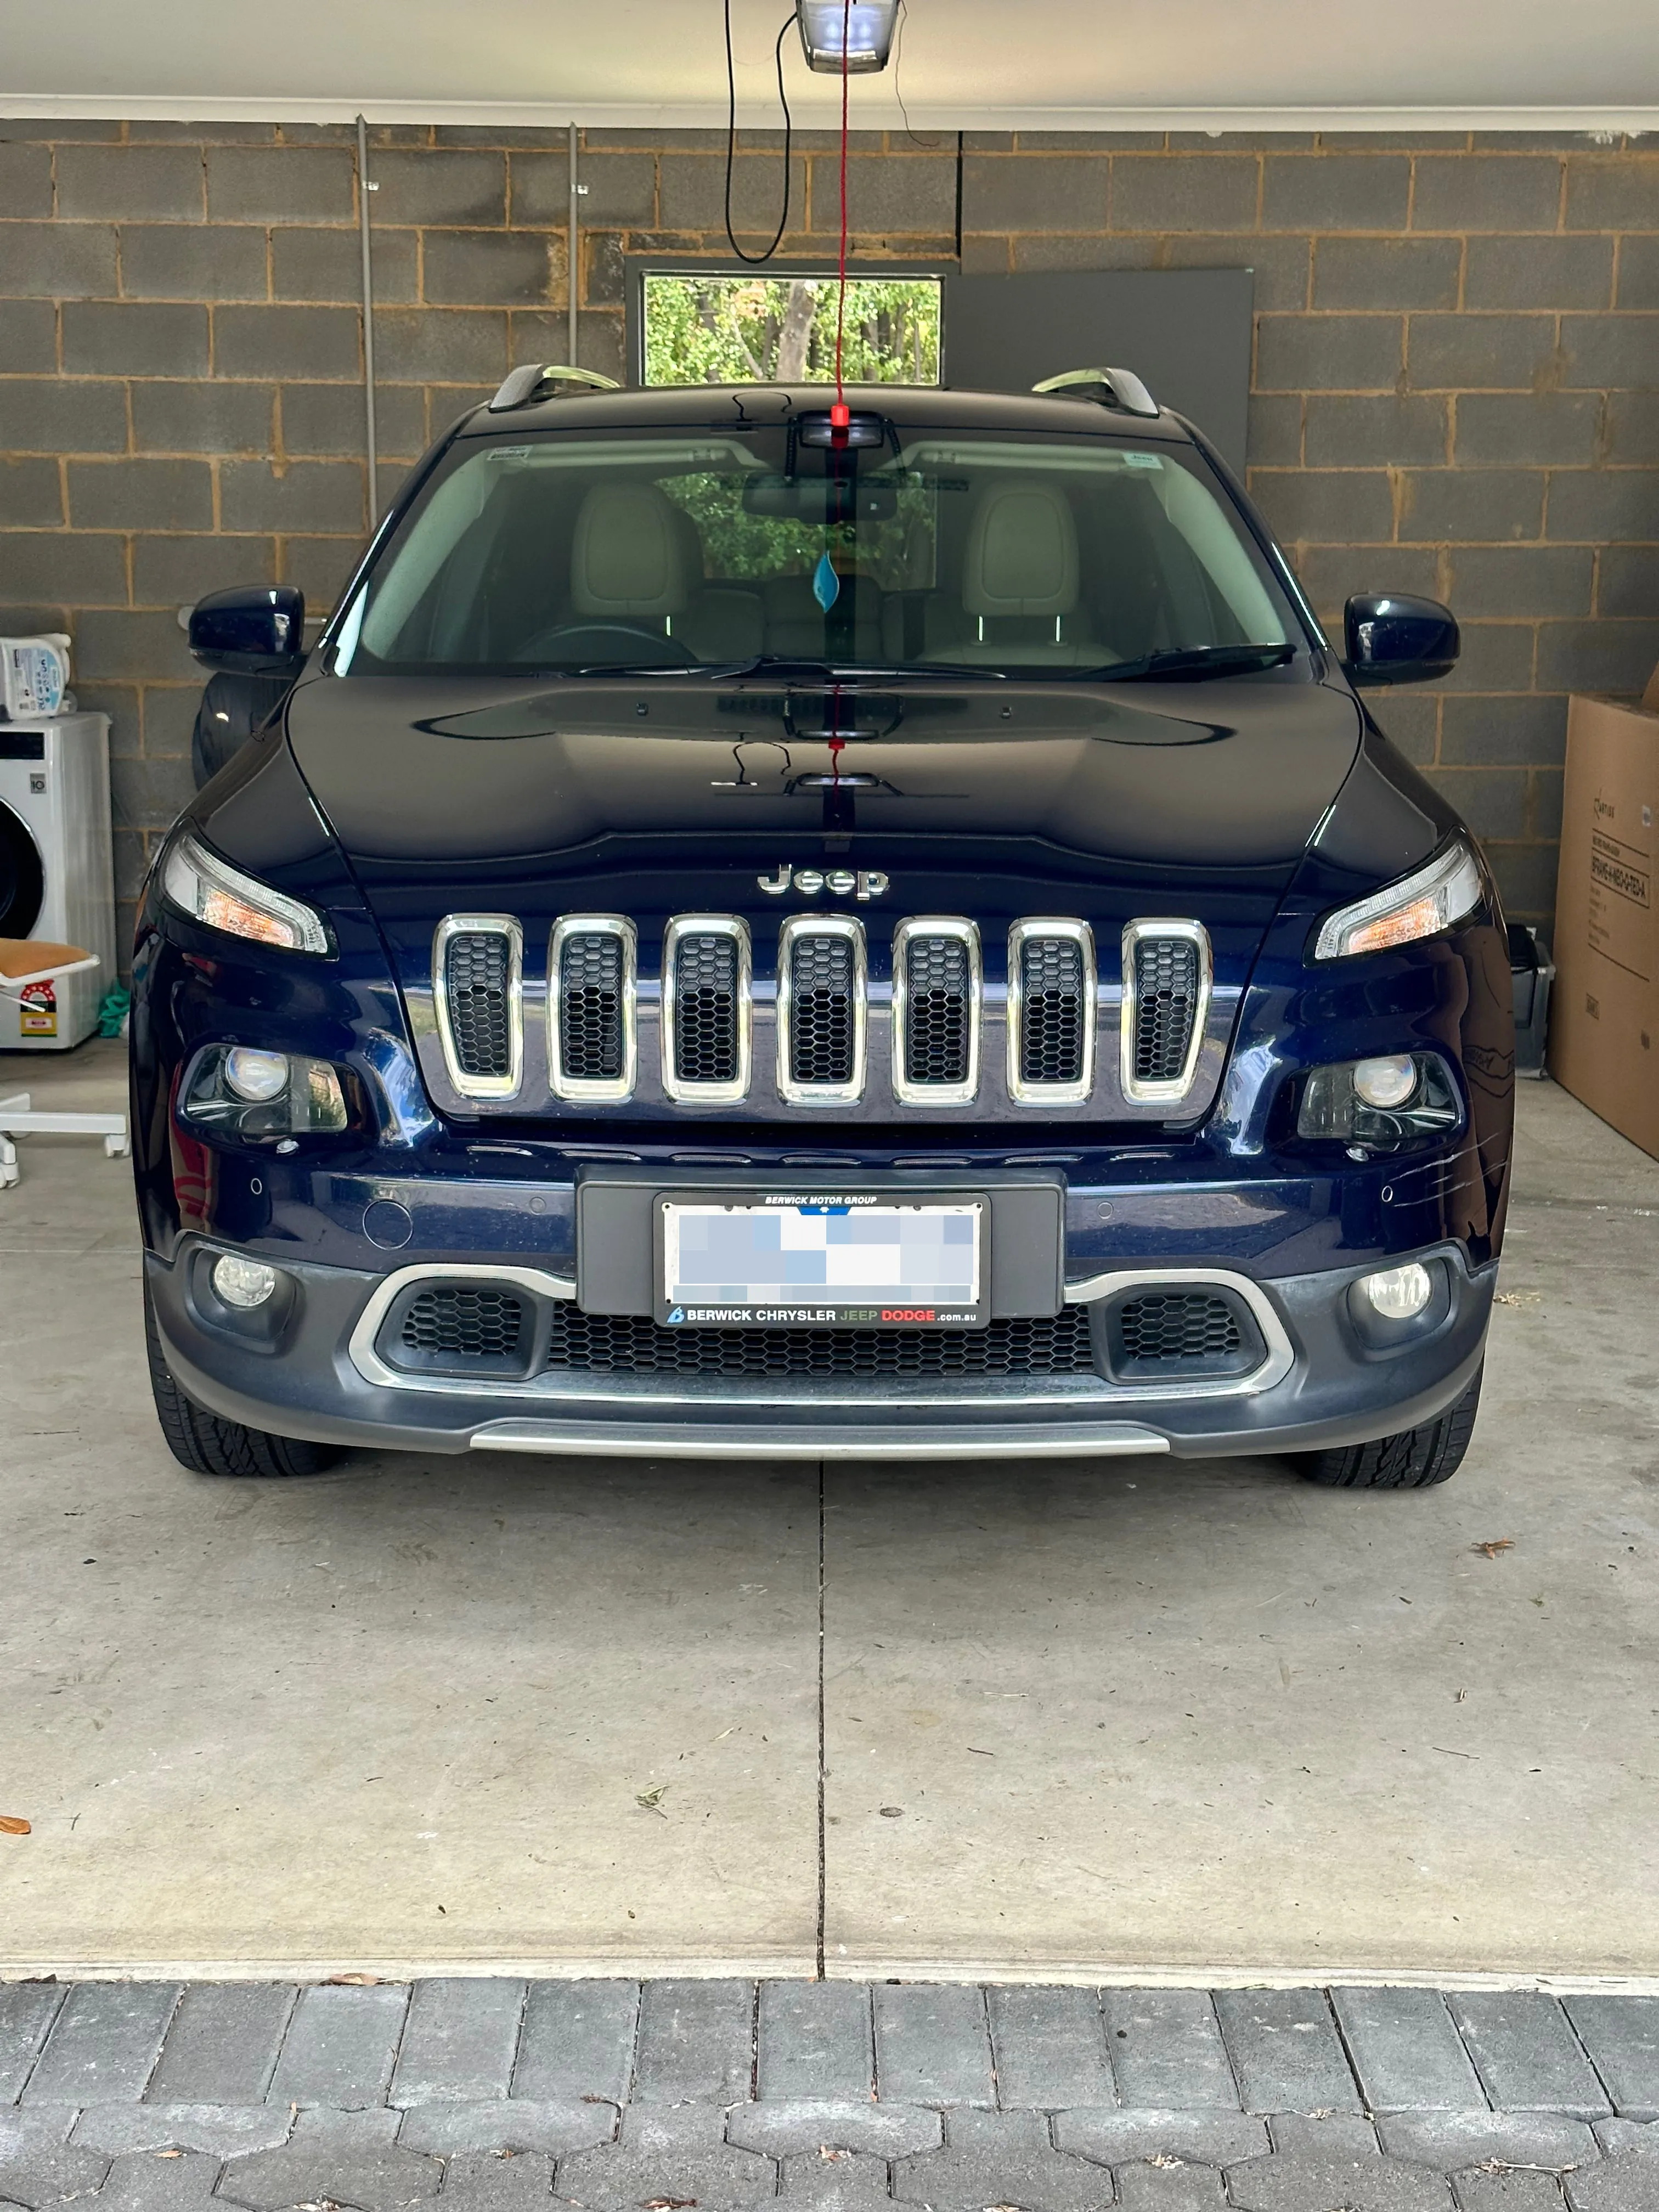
[1604,1041]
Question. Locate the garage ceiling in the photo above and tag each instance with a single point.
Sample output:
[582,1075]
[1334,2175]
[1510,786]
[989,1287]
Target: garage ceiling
[984,65]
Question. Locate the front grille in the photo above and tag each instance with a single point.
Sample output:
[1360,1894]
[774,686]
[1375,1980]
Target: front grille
[823,1028]
[938,1013]
[1053,1041]
[478,980]
[706,1033]
[1168,972]
[1165,1326]
[456,1326]
[609,1344]
[591,1043]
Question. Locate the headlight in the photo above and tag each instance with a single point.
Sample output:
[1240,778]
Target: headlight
[1417,906]
[220,896]
[263,1094]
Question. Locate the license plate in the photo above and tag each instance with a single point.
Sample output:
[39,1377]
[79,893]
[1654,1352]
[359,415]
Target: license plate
[844,1261]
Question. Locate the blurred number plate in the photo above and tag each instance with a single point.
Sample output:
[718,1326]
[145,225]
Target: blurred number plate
[846,1260]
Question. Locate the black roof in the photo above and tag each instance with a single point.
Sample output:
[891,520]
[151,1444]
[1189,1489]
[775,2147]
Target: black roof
[927,406]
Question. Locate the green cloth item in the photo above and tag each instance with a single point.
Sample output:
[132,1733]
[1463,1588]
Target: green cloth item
[113,1010]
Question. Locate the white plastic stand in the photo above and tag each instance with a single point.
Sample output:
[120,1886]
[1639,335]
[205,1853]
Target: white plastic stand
[17,1120]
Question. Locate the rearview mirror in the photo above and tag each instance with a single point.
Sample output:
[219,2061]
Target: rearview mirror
[1393,638]
[819,499]
[255,629]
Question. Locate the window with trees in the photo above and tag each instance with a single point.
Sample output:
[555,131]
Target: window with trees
[702,329]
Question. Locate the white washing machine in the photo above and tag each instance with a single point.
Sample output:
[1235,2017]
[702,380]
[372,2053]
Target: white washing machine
[57,871]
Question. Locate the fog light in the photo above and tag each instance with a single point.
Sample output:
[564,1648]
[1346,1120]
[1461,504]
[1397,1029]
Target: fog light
[258,1077]
[244,1283]
[1386,1083]
[1400,1293]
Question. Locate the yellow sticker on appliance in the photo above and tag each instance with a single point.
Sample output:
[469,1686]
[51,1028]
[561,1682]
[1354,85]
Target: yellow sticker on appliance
[37,1012]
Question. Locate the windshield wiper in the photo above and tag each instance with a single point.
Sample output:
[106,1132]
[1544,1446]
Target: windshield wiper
[1192,661]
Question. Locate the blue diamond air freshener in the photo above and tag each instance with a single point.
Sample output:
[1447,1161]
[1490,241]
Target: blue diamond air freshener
[826,584]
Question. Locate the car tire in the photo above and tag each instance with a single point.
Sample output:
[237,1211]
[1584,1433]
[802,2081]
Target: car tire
[1414,1459]
[206,1445]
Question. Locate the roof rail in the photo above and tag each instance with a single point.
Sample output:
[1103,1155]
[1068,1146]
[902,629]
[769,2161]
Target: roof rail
[1117,387]
[524,385]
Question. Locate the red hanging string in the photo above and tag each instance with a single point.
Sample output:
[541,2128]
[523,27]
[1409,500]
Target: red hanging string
[841,417]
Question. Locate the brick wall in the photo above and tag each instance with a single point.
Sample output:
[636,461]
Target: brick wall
[1456,389]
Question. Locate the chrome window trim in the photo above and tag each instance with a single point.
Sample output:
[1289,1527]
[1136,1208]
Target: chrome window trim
[360,1349]
[708,925]
[802,926]
[485,924]
[1039,930]
[1281,1353]
[964,932]
[593,1090]
[1172,1092]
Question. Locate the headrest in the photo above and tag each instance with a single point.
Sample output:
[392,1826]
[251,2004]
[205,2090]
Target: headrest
[1022,551]
[629,553]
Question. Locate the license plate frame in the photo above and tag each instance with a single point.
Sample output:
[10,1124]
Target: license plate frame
[814,1217]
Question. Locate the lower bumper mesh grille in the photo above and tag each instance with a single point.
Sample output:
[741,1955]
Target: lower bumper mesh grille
[608,1344]
[455,1324]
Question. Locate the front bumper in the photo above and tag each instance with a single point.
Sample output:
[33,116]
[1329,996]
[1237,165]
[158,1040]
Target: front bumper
[316,1375]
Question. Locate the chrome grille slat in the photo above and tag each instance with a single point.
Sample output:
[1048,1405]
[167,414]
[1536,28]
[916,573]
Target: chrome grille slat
[1166,1003]
[1051,1013]
[592,1014]
[937,990]
[706,1009]
[822,989]
[477,984]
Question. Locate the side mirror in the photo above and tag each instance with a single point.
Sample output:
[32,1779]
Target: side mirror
[257,630]
[1396,639]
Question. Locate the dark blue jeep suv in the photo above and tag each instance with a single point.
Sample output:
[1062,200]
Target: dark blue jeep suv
[884,931]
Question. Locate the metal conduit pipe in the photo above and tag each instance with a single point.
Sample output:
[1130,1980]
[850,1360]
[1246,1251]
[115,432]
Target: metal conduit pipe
[573,262]
[364,188]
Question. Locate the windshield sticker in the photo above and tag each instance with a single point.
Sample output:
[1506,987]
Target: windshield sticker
[826,584]
[1143,461]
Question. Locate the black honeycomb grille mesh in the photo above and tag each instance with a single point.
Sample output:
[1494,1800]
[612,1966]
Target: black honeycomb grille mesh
[822,1027]
[1166,1006]
[706,1009]
[464,1324]
[609,1344]
[1051,1047]
[938,1013]
[1162,1327]
[477,972]
[591,1040]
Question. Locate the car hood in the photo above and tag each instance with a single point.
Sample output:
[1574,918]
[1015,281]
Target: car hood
[454,776]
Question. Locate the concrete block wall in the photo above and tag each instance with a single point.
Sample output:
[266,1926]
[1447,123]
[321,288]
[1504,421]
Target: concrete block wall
[1455,386]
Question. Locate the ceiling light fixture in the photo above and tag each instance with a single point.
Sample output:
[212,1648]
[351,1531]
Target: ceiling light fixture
[857,38]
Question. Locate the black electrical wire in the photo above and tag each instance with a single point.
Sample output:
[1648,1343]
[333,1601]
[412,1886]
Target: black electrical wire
[756,259]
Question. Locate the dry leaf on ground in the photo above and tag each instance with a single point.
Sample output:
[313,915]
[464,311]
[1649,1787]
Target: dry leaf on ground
[1490,1551]
[13,1823]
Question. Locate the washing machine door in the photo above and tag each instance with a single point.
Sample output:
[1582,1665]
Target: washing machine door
[22,880]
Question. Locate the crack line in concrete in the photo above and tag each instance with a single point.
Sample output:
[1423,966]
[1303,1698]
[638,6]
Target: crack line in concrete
[822,1878]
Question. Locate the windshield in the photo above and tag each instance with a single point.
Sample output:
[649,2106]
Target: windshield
[916,551]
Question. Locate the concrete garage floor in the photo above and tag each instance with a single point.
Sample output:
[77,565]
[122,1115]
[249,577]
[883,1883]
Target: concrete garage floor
[1095,1721]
